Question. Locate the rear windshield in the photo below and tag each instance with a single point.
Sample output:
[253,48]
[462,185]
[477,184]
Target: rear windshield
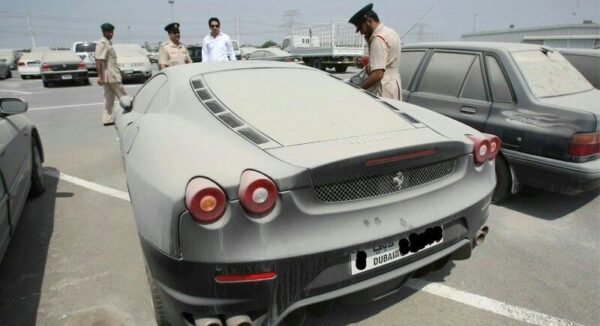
[549,74]
[85,47]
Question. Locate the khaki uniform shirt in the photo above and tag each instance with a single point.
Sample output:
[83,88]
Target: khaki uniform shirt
[170,54]
[106,52]
[384,54]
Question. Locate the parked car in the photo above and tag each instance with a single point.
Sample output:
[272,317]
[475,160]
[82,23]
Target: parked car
[63,67]
[274,54]
[195,52]
[587,61]
[245,51]
[9,56]
[4,70]
[29,65]
[86,50]
[236,49]
[544,111]
[21,165]
[133,62]
[234,177]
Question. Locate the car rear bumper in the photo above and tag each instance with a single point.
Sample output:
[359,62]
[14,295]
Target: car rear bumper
[59,76]
[189,288]
[559,176]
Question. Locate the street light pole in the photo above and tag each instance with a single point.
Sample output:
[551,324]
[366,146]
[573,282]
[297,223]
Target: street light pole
[474,22]
[129,33]
[171,2]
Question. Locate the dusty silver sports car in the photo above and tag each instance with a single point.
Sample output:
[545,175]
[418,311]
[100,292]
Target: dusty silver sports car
[263,190]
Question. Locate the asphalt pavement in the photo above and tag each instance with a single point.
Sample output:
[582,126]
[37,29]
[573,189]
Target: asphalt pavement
[75,258]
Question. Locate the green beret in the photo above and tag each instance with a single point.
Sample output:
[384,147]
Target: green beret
[361,16]
[107,27]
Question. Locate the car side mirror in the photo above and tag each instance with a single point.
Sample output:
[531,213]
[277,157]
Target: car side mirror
[126,103]
[10,106]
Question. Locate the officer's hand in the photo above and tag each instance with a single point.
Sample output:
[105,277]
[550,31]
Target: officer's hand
[100,82]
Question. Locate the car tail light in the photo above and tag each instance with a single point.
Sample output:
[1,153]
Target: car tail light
[81,65]
[257,193]
[45,67]
[21,64]
[584,144]
[251,277]
[205,200]
[485,147]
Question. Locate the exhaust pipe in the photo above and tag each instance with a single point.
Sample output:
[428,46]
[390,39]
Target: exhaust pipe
[480,236]
[208,322]
[240,320]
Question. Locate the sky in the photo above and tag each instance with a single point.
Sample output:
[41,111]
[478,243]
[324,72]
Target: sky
[59,23]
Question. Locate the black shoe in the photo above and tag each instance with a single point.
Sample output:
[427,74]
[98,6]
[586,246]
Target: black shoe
[109,124]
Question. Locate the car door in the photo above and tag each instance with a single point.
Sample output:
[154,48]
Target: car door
[127,124]
[452,84]
[15,163]
[5,229]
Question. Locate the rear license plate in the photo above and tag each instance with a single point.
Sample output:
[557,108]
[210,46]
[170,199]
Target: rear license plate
[67,77]
[384,254]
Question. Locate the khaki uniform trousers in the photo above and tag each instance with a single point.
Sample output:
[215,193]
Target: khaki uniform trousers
[111,90]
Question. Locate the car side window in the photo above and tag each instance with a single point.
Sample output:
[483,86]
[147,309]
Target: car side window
[161,99]
[409,62]
[500,89]
[446,72]
[256,54]
[474,87]
[144,96]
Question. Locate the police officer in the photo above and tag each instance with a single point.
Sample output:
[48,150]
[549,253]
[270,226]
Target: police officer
[384,54]
[109,75]
[172,52]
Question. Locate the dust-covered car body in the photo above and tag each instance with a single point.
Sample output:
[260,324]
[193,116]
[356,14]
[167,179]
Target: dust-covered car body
[29,65]
[63,67]
[4,70]
[133,62]
[318,189]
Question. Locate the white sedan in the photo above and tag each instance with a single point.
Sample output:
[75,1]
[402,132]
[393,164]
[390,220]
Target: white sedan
[133,62]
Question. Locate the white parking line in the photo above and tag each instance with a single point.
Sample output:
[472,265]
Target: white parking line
[17,92]
[469,299]
[90,185]
[487,304]
[64,106]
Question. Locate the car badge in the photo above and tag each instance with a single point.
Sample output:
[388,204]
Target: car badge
[398,180]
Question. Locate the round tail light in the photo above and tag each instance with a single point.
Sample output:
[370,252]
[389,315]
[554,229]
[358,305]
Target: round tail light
[257,193]
[495,144]
[205,200]
[481,148]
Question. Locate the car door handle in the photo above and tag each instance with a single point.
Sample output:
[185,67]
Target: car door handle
[468,110]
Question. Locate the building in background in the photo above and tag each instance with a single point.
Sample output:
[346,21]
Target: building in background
[586,35]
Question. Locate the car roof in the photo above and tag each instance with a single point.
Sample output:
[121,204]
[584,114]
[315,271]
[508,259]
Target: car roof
[187,71]
[586,52]
[477,46]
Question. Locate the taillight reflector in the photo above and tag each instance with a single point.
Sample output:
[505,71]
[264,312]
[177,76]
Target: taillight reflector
[205,200]
[252,277]
[82,65]
[257,193]
[45,66]
[20,63]
[584,144]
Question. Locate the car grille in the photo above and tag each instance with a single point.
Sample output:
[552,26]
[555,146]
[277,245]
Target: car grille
[384,184]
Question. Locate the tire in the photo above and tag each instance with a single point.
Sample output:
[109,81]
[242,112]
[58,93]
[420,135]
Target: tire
[341,69]
[38,185]
[159,313]
[317,64]
[9,74]
[23,77]
[46,84]
[503,180]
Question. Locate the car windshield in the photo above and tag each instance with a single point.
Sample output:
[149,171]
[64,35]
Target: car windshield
[549,74]
[85,47]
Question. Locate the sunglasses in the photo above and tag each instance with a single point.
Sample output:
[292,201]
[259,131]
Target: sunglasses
[214,26]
